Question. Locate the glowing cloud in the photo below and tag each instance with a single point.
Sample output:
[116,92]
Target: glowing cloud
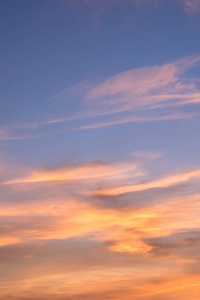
[91,172]
[135,238]
[160,183]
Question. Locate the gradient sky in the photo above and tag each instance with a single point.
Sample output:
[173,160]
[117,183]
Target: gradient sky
[99,150]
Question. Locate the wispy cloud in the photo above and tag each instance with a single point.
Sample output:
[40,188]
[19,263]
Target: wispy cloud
[88,172]
[138,119]
[144,87]
[151,94]
[191,6]
[160,183]
[7,135]
[146,155]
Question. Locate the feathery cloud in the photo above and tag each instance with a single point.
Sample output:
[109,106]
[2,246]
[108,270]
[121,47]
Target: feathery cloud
[144,87]
[150,93]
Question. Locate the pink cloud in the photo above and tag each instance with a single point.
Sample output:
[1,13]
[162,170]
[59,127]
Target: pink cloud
[143,87]
[191,6]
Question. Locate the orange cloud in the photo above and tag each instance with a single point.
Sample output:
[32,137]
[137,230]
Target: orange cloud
[105,284]
[160,183]
[125,232]
[134,251]
[90,172]
[64,215]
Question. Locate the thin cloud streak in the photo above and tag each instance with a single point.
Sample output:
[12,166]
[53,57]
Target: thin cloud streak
[87,172]
[4,136]
[7,65]
[137,119]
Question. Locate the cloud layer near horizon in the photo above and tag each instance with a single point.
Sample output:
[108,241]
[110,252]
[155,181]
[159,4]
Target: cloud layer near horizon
[114,239]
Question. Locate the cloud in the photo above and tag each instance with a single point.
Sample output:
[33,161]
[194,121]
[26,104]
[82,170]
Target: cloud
[146,155]
[138,119]
[73,212]
[59,237]
[184,244]
[113,179]
[116,287]
[191,6]
[94,171]
[158,183]
[12,70]
[145,87]
[147,94]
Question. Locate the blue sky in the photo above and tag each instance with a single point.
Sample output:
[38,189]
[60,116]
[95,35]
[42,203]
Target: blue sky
[99,149]
[55,46]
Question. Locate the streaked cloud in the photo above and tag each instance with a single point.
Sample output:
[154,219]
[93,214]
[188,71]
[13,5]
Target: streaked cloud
[89,172]
[160,183]
[147,94]
[138,119]
[144,87]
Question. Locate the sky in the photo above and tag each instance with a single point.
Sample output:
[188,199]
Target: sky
[99,150]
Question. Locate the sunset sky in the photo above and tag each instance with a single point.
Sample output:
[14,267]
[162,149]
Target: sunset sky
[100,150]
